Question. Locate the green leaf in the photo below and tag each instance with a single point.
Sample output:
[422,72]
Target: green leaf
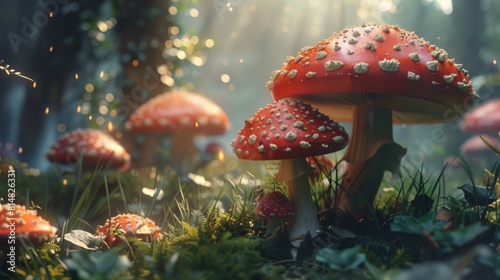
[460,236]
[413,225]
[341,260]
[94,265]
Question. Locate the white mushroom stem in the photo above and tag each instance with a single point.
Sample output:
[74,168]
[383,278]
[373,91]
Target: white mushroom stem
[370,153]
[295,173]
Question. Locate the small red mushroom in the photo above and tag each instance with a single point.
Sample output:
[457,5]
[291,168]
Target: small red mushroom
[16,221]
[374,75]
[182,116]
[95,147]
[484,118]
[128,225]
[275,207]
[291,131]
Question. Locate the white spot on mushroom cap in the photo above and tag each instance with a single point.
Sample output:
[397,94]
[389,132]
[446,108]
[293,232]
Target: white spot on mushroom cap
[449,78]
[305,144]
[251,139]
[389,65]
[310,74]
[292,73]
[320,55]
[464,86]
[353,41]
[397,47]
[432,65]
[361,68]
[414,56]
[412,76]
[370,46]
[378,38]
[332,65]
[260,148]
[298,124]
[273,147]
[290,136]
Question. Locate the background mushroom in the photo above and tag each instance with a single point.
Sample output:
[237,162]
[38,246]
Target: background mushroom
[374,75]
[290,131]
[484,118]
[181,116]
[478,152]
[27,224]
[128,225]
[95,147]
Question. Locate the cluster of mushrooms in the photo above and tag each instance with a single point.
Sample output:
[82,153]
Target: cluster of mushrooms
[35,229]
[179,116]
[372,75]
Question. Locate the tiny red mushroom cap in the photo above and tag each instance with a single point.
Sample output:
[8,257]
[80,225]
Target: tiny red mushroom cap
[274,205]
[485,118]
[27,224]
[186,111]
[288,129]
[95,146]
[128,225]
[381,64]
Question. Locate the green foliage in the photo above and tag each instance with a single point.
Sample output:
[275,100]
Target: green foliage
[459,237]
[341,260]
[97,266]
[413,225]
[194,256]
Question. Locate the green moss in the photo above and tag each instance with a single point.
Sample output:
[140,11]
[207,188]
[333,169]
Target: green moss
[192,255]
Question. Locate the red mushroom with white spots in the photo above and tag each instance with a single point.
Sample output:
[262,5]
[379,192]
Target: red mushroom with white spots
[478,152]
[374,75]
[94,147]
[275,207]
[484,118]
[17,221]
[181,116]
[290,131]
[128,225]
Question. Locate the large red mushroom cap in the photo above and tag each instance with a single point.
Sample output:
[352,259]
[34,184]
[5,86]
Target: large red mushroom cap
[94,146]
[172,112]
[485,118]
[27,224]
[128,225]
[274,205]
[378,64]
[288,129]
